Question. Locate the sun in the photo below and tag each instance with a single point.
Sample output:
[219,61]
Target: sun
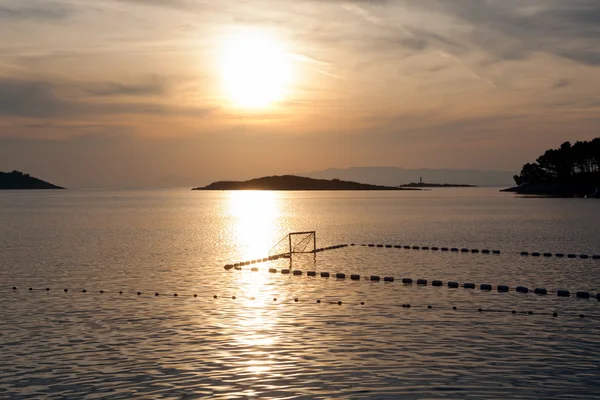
[255,70]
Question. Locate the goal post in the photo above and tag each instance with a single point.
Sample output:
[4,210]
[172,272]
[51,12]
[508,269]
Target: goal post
[297,243]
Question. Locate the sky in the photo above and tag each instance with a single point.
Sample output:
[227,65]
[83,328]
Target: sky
[155,93]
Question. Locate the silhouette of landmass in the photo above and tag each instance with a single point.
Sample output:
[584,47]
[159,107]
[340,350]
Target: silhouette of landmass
[568,171]
[292,182]
[433,185]
[18,180]
[393,176]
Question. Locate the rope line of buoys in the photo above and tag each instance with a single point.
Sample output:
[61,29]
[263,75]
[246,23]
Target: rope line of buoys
[560,255]
[302,301]
[484,287]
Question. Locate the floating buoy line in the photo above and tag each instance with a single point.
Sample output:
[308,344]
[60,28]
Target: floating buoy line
[299,301]
[483,287]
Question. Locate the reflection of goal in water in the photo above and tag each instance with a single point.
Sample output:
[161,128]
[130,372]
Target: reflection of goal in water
[296,243]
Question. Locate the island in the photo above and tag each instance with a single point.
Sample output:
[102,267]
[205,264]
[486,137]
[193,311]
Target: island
[568,171]
[17,180]
[422,184]
[292,182]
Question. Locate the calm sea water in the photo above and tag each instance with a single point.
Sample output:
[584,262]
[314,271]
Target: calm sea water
[71,345]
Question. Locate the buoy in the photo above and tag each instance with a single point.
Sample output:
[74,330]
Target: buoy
[415,247]
[522,289]
[444,249]
[398,246]
[421,281]
[388,279]
[503,288]
[340,276]
[297,272]
[514,311]
[453,285]
[229,266]
[464,250]
[47,289]
[120,292]
[475,251]
[215,296]
[407,247]
[66,290]
[598,296]
[83,291]
[485,286]
[389,246]
[485,251]
[535,254]
[583,295]
[581,316]
[30,289]
[541,291]
[355,277]
[352,244]
[524,253]
[285,271]
[375,278]
[555,314]
[584,256]
[265,259]
[559,255]
[253,261]
[295,300]
[496,252]
[254,269]
[571,256]
[547,254]
[434,248]
[371,245]
[407,281]
[454,249]
[318,301]
[238,268]
[437,283]
[480,310]
[454,308]
[156,294]
[596,257]
[232,297]
[324,274]
[429,307]
[311,273]
[425,248]
[274,298]
[102,292]
[175,295]
[362,303]
[563,293]
[469,286]
[14,288]
[379,245]
[339,303]
[195,295]
[273,270]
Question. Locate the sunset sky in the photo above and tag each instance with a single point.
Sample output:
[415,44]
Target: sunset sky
[118,93]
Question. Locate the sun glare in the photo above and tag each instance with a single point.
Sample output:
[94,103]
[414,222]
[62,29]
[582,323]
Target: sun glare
[255,69]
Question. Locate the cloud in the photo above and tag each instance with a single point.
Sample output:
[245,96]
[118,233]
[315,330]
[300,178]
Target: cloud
[153,87]
[42,11]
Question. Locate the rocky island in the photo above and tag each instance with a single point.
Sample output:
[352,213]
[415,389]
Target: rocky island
[292,182]
[17,180]
[422,184]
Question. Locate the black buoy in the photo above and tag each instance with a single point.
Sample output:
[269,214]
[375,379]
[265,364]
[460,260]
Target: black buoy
[297,272]
[66,290]
[584,256]
[429,307]
[102,292]
[339,303]
[273,270]
[388,279]
[559,255]
[496,251]
[388,246]
[541,291]
[522,289]
[407,281]
[421,281]
[437,283]
[503,288]
[318,301]
[514,312]
[583,295]
[469,286]
[311,273]
[47,289]
[407,247]
[524,253]
[454,308]
[425,248]
[285,271]
[435,248]
[30,288]
[362,303]
[444,249]
[274,298]
[464,250]
[415,247]
[215,296]
[229,266]
[340,276]
[581,316]
[480,310]
[485,251]
[596,257]
[547,254]
[84,291]
[475,251]
[563,293]
[324,274]
[355,277]
[375,278]
[571,256]
[454,249]
[295,300]
[485,286]
[195,295]
[175,295]
[120,292]
[453,285]
[398,246]
[156,294]
[555,314]
[536,254]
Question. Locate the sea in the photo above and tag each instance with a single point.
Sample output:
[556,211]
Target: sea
[123,294]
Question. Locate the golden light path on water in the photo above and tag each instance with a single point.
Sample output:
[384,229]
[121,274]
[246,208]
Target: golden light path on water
[254,215]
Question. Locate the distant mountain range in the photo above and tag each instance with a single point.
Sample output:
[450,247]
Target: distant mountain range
[393,176]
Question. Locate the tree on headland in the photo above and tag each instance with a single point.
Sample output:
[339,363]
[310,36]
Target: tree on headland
[571,167]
